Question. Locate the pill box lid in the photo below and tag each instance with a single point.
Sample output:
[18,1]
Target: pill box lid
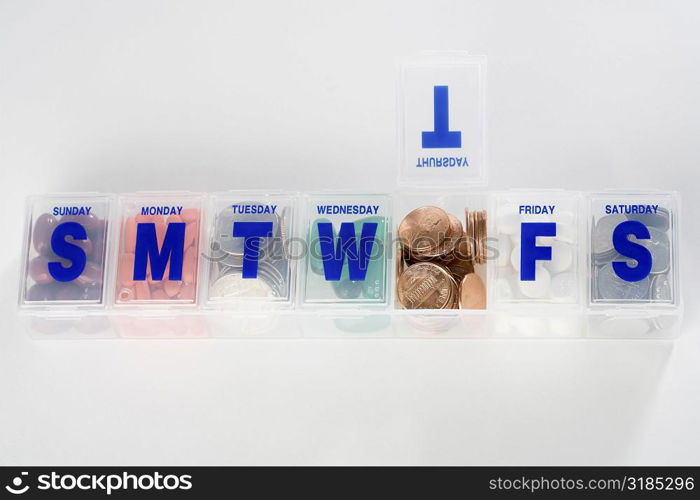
[442,108]
[51,205]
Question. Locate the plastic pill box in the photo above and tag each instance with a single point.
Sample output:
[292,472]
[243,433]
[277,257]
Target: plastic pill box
[440,256]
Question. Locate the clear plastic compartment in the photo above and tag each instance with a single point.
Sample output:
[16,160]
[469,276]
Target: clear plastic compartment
[157,249]
[248,259]
[442,109]
[441,251]
[633,259]
[65,260]
[347,243]
[539,241]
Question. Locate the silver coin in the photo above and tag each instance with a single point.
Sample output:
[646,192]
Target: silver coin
[281,248]
[659,220]
[611,287]
[601,240]
[605,257]
[661,288]
[234,246]
[273,278]
[233,285]
[660,248]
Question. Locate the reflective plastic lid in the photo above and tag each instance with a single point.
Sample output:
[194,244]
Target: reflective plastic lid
[441,120]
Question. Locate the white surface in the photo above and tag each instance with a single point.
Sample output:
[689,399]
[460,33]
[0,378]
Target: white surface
[120,96]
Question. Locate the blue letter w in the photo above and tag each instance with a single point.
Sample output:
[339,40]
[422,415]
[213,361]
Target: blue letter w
[333,256]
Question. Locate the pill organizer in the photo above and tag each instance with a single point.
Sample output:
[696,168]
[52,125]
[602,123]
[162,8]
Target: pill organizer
[438,256]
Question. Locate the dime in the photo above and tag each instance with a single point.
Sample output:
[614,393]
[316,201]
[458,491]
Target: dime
[659,220]
[661,288]
[233,285]
[611,287]
[660,248]
[424,229]
[472,292]
[601,240]
[234,246]
[426,286]
[273,277]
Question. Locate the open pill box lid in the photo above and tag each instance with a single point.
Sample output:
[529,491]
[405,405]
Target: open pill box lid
[442,109]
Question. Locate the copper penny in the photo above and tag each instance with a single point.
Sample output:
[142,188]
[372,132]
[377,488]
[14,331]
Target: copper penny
[472,293]
[448,244]
[459,268]
[424,229]
[426,286]
[476,231]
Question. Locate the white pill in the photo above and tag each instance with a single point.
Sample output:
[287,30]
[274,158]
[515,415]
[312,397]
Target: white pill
[503,289]
[505,247]
[509,223]
[515,239]
[563,287]
[515,257]
[566,226]
[536,218]
[562,257]
[566,233]
[564,218]
[539,287]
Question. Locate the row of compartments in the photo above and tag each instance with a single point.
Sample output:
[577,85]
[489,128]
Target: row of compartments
[615,250]
[298,324]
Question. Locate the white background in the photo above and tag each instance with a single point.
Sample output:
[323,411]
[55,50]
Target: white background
[123,96]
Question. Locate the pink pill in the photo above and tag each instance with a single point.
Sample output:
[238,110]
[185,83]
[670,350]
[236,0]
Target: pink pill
[142,290]
[161,228]
[159,294]
[187,291]
[172,288]
[125,272]
[130,234]
[191,234]
[189,265]
[126,293]
[144,218]
[190,214]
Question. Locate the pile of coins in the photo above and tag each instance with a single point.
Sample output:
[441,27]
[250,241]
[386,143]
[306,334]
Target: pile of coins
[226,278]
[436,257]
[608,286]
